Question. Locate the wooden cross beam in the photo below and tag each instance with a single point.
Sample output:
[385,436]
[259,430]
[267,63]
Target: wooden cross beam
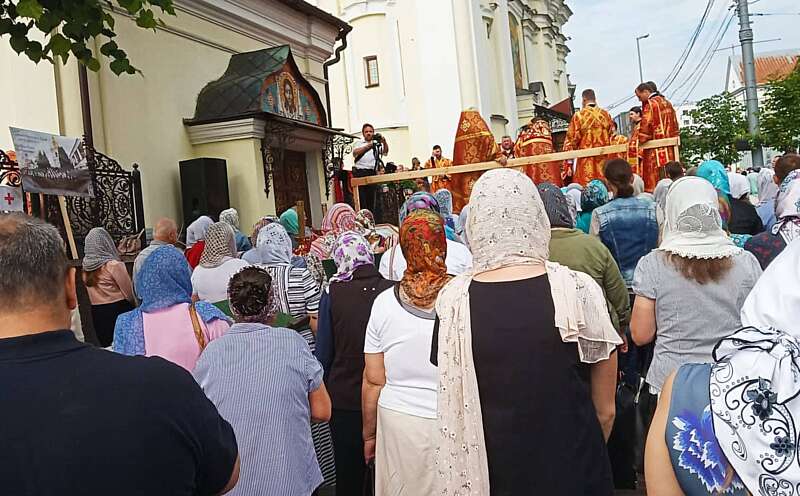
[514,163]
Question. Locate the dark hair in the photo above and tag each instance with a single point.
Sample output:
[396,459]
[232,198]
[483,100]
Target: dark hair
[651,85]
[366,125]
[589,94]
[250,294]
[637,110]
[32,260]
[674,170]
[786,164]
[648,86]
[437,147]
[619,174]
[702,271]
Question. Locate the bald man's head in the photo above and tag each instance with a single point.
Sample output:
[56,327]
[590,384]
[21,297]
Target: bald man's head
[166,230]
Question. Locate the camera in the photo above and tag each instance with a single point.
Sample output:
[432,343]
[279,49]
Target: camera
[377,137]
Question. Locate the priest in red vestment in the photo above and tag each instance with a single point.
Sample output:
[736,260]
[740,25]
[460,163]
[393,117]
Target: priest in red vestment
[474,143]
[659,121]
[536,138]
[590,127]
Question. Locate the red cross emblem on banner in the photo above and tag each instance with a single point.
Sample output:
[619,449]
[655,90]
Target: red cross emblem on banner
[9,198]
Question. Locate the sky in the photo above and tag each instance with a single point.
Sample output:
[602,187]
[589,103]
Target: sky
[603,44]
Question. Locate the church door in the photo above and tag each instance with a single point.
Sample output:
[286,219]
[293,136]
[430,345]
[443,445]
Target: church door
[290,182]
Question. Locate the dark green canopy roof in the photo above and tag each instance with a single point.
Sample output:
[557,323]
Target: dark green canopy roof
[238,91]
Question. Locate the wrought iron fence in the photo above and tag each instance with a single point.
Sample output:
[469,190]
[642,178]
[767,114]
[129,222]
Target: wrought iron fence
[117,204]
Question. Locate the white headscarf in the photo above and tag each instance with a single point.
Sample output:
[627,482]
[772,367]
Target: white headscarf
[756,381]
[693,226]
[767,189]
[197,230]
[739,185]
[574,195]
[507,225]
[274,245]
[231,217]
[638,185]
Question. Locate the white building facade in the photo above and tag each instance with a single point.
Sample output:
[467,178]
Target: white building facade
[411,67]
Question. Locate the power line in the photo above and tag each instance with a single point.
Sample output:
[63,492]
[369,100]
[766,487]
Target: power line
[710,57]
[681,62]
[702,65]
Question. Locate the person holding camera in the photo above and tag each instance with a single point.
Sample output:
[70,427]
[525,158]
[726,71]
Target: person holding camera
[367,154]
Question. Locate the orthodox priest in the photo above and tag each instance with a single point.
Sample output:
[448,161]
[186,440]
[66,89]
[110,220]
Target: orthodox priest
[536,138]
[590,127]
[474,143]
[438,161]
[659,121]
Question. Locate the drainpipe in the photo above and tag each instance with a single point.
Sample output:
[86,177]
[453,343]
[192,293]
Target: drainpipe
[337,56]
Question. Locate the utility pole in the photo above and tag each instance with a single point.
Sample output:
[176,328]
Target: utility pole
[750,84]
[639,53]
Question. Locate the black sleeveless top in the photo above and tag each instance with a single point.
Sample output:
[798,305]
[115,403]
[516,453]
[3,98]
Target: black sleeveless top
[541,430]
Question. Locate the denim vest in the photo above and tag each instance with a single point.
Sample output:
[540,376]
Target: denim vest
[629,229]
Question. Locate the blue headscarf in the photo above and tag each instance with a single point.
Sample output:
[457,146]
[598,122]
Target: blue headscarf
[164,280]
[714,172]
[594,195]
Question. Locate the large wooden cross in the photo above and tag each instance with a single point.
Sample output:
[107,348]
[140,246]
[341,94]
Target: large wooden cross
[514,163]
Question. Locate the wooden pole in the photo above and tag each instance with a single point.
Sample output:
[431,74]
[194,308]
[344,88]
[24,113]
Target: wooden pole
[301,217]
[62,203]
[42,207]
[513,163]
[357,195]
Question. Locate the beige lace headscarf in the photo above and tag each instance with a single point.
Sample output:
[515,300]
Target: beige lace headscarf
[507,226]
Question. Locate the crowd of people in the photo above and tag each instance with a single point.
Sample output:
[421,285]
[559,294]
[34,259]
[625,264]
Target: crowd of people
[501,343]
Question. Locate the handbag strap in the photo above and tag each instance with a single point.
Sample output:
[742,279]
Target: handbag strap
[198,331]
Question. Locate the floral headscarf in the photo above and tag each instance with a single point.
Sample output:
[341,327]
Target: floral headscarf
[445,200]
[231,217]
[787,208]
[164,280]
[350,252]
[505,233]
[424,246]
[99,249]
[274,245]
[559,209]
[263,221]
[197,230]
[714,172]
[290,222]
[365,222]
[339,218]
[418,200]
[594,195]
[220,245]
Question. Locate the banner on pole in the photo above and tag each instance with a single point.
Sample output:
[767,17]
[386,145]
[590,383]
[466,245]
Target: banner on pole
[51,164]
[11,199]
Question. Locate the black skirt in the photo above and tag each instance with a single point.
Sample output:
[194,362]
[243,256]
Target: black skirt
[104,318]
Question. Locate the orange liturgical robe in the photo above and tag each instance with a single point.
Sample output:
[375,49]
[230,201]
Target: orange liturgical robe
[474,143]
[659,121]
[537,139]
[619,139]
[439,182]
[590,127]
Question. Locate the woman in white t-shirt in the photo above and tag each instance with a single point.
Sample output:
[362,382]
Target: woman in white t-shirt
[399,390]
[217,265]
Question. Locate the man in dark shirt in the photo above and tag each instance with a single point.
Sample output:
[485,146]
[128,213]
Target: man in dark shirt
[82,420]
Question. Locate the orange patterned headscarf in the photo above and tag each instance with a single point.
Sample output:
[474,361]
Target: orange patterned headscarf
[424,245]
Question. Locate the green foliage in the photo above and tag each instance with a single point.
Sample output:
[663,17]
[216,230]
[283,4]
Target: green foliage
[70,26]
[719,122]
[780,118]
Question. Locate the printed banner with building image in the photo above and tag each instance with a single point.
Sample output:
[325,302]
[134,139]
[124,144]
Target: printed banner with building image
[51,164]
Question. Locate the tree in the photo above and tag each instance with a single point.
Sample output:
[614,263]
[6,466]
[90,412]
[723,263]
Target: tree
[719,125]
[780,119]
[68,27]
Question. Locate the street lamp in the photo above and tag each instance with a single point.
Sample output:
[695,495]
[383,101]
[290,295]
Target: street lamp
[639,53]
